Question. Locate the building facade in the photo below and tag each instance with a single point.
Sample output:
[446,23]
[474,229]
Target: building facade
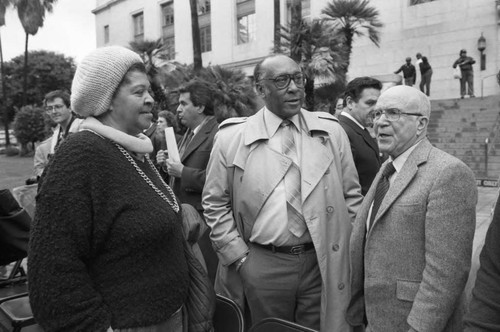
[239,33]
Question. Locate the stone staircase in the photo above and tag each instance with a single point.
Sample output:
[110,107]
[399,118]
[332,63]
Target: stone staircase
[461,127]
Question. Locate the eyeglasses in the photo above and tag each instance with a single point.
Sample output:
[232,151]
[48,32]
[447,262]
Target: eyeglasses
[50,109]
[392,114]
[283,81]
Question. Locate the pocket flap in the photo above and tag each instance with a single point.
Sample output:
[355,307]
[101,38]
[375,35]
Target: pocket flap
[406,290]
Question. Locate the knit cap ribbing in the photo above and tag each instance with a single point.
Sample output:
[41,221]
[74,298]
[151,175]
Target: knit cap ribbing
[98,76]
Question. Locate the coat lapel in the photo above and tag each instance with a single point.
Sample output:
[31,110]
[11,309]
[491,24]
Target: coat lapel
[363,133]
[199,138]
[316,157]
[404,177]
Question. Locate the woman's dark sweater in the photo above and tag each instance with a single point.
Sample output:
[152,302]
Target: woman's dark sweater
[106,249]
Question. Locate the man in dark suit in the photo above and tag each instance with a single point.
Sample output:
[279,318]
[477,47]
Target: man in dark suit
[411,244]
[187,177]
[359,98]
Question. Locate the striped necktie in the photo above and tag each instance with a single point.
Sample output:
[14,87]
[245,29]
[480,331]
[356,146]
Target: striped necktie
[296,222]
[382,188]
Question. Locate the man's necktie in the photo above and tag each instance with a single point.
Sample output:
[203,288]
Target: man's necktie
[296,223]
[382,188]
[185,142]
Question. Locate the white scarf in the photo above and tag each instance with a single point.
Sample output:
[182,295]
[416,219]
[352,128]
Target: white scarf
[141,144]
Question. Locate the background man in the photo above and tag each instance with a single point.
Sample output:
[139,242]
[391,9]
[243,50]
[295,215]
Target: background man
[187,177]
[280,196]
[465,62]
[409,72]
[57,106]
[411,250]
[361,96]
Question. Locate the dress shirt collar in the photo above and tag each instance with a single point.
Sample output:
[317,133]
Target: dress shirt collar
[347,115]
[273,121]
[401,159]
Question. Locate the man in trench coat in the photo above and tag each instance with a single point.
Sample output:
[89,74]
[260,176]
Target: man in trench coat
[303,279]
[410,261]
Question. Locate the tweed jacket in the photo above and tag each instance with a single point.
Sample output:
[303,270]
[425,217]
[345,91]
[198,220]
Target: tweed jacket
[411,268]
[242,173]
[195,159]
[364,151]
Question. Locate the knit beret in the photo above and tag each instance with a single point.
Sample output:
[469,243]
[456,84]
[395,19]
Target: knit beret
[98,76]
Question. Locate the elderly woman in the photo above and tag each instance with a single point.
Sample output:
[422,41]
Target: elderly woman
[106,252]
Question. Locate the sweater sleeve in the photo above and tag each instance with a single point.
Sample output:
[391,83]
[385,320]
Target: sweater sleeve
[484,310]
[62,295]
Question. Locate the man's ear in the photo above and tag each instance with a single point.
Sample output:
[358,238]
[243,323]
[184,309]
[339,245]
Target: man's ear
[201,108]
[259,88]
[349,102]
[422,125]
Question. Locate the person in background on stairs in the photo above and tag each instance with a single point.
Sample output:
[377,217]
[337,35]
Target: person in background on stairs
[409,72]
[107,248]
[426,75]
[484,308]
[465,63]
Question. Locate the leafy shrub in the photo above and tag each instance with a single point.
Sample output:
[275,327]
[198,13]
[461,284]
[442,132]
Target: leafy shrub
[29,126]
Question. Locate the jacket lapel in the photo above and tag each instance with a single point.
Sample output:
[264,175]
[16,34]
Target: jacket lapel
[263,167]
[364,133]
[199,138]
[404,177]
[316,156]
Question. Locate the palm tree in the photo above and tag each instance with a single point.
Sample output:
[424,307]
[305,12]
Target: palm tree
[154,55]
[4,4]
[321,54]
[31,13]
[354,18]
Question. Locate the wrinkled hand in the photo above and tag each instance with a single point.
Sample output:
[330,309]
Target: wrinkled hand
[161,157]
[174,168]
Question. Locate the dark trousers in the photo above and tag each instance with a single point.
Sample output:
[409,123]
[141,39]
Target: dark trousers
[282,285]
[410,81]
[425,80]
[467,77]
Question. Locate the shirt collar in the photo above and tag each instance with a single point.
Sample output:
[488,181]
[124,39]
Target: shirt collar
[400,160]
[273,121]
[347,115]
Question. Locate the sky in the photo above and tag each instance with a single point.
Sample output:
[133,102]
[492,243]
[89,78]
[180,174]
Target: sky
[69,29]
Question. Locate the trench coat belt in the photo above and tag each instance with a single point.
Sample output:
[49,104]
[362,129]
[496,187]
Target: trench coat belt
[292,250]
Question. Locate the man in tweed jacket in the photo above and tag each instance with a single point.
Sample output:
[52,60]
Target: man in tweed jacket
[411,261]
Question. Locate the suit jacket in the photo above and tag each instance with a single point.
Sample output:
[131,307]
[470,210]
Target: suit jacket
[411,268]
[243,171]
[364,151]
[195,159]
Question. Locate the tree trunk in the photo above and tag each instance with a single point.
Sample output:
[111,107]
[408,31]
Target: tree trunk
[25,82]
[277,25]
[4,99]
[195,29]
[295,30]
[309,91]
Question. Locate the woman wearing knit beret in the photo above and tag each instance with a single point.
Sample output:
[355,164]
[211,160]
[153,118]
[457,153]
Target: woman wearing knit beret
[106,250]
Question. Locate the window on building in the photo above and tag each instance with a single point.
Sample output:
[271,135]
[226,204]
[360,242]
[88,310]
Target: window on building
[246,21]
[168,29]
[106,34]
[169,44]
[418,2]
[203,7]
[138,27]
[306,10]
[167,11]
[206,39]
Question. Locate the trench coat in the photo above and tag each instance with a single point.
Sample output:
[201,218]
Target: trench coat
[242,173]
